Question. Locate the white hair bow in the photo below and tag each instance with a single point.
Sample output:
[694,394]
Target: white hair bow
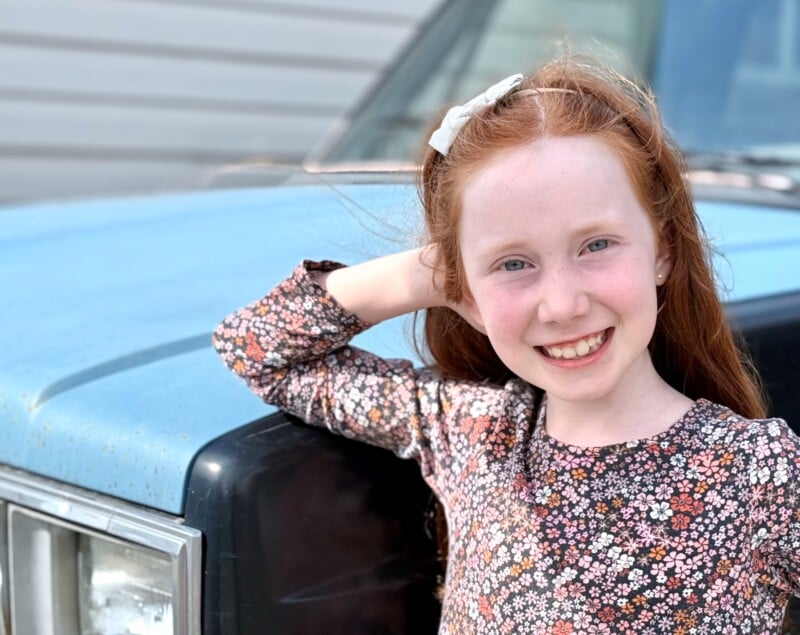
[443,137]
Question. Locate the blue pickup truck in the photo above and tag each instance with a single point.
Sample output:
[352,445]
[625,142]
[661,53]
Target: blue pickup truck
[144,491]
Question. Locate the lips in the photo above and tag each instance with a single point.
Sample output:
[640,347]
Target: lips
[576,349]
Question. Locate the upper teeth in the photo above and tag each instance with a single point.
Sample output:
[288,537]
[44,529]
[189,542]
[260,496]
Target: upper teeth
[579,348]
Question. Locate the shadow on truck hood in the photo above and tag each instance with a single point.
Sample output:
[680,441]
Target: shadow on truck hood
[107,377]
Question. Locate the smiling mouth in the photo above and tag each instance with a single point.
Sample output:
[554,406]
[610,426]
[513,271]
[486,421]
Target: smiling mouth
[576,349]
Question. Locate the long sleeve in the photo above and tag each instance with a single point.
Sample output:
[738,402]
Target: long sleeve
[774,475]
[291,349]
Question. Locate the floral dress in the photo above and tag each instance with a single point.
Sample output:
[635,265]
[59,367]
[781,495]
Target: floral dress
[695,530]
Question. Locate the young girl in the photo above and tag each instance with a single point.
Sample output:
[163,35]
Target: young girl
[580,423]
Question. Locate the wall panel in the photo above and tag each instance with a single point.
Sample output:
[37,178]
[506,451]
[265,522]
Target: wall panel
[114,96]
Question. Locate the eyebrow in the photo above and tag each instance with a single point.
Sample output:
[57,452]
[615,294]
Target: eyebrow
[594,227]
[492,249]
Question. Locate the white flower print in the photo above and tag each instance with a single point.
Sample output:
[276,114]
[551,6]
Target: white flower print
[478,409]
[660,511]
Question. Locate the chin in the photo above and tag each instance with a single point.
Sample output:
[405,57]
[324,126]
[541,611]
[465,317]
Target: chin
[575,394]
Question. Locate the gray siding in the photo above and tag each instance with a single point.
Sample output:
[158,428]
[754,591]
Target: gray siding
[108,96]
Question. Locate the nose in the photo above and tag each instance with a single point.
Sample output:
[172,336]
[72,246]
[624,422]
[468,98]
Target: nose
[563,296]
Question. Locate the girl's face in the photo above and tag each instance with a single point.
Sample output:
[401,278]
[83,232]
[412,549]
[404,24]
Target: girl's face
[562,264]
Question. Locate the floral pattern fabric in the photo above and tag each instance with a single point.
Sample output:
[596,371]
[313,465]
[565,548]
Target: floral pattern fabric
[695,530]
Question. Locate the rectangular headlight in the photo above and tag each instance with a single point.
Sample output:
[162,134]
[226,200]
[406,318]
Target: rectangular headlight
[83,564]
[123,588]
[66,580]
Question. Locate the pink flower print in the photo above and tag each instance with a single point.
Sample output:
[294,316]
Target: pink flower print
[570,461]
[674,559]
[581,621]
[718,587]
[706,462]
[688,565]
[597,570]
[762,450]
[663,491]
[659,569]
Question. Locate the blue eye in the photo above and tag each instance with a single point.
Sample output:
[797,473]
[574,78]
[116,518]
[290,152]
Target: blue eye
[598,245]
[513,265]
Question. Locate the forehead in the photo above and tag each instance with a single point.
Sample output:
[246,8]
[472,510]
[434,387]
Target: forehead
[560,184]
[544,164]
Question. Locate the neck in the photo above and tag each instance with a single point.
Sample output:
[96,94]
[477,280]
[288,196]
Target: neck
[643,409]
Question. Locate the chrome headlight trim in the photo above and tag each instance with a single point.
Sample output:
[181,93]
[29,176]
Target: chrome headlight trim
[123,520]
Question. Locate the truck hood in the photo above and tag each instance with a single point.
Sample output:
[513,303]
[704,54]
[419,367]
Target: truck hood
[107,377]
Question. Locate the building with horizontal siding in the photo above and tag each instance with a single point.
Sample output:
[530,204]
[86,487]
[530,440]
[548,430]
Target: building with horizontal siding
[115,96]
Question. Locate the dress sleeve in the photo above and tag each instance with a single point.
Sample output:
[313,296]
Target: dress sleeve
[291,349]
[774,476]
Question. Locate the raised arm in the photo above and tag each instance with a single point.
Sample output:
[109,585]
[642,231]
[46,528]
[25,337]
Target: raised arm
[384,288]
[291,347]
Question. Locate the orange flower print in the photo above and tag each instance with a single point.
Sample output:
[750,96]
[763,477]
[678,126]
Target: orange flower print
[475,427]
[578,474]
[657,553]
[253,350]
[627,608]
[485,607]
[561,627]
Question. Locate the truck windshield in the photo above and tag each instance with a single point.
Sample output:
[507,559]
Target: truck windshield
[726,73]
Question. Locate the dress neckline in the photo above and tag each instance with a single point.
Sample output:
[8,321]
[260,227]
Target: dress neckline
[661,438]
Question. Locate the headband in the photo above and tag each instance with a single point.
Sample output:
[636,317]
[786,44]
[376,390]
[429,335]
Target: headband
[443,137]
[455,119]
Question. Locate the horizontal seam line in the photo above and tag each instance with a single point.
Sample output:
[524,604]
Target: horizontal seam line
[155,102]
[210,55]
[133,154]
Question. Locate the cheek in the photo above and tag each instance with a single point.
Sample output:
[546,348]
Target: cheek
[505,311]
[631,292]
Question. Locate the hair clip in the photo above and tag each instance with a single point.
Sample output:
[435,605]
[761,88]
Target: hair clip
[443,137]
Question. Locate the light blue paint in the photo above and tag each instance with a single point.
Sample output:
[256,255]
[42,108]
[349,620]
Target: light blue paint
[757,250]
[85,284]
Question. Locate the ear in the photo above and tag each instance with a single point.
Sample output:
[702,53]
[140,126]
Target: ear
[663,264]
[469,310]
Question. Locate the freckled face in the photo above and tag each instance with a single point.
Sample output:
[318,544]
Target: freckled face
[561,262]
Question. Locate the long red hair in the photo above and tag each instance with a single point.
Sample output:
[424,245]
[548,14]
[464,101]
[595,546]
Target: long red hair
[692,346]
